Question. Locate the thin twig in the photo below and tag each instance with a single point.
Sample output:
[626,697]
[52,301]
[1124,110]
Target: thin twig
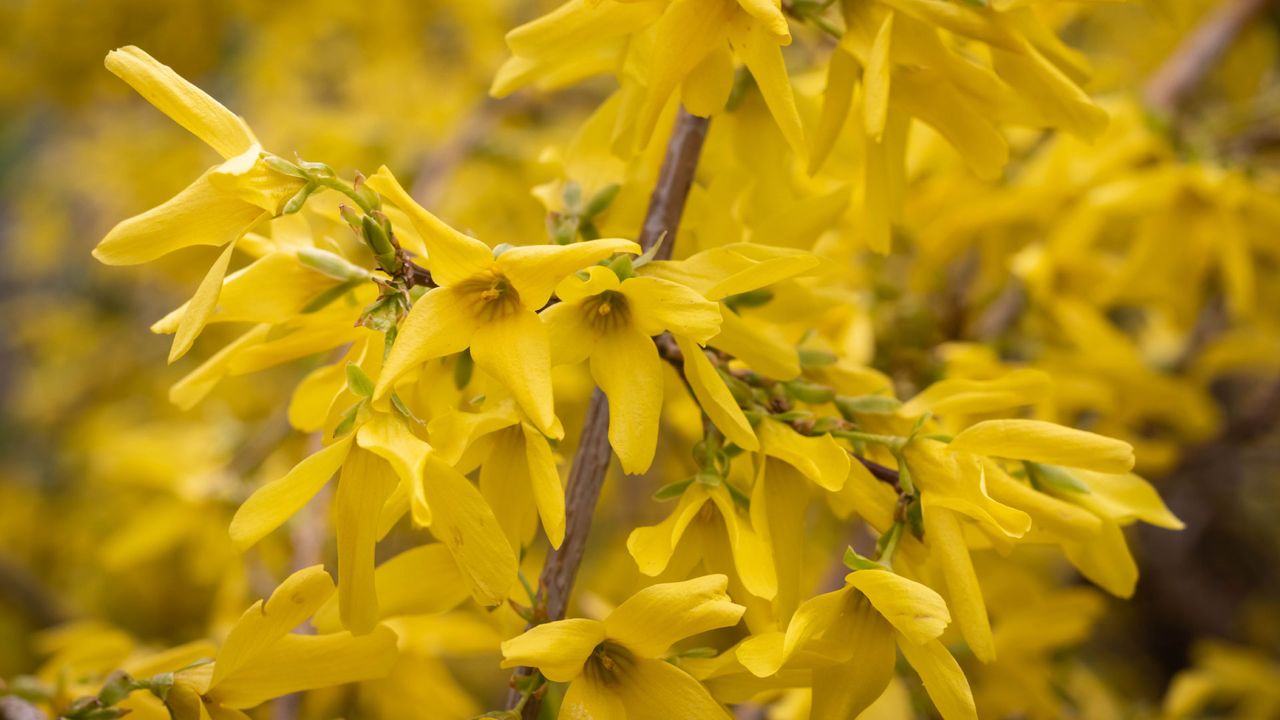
[1198,53]
[591,462]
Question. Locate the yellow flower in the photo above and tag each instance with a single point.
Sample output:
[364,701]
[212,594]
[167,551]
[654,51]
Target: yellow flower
[486,303]
[262,659]
[217,209]
[611,321]
[848,638]
[615,667]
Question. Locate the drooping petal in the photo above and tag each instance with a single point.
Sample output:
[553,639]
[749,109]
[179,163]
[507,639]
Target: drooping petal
[574,289]
[593,700]
[764,656]
[626,366]
[186,104]
[752,555]
[1124,498]
[464,523]
[943,679]
[948,550]
[388,437]
[757,349]
[1106,560]
[842,74]
[957,481]
[536,270]
[548,493]
[913,609]
[197,384]
[452,256]
[306,662]
[658,305]
[507,487]
[657,689]
[846,689]
[875,80]
[199,215]
[685,34]
[714,396]
[1047,512]
[516,351]
[440,323]
[962,395]
[762,55]
[706,89]
[420,581]
[559,649]
[201,306]
[572,337]
[1045,442]
[270,505]
[265,622]
[651,621]
[366,482]
[652,546]
[821,459]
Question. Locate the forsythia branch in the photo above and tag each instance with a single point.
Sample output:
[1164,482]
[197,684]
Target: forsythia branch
[1199,51]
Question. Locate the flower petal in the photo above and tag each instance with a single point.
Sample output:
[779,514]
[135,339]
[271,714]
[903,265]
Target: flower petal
[453,256]
[186,104]
[516,351]
[626,366]
[762,55]
[199,215]
[440,323]
[943,679]
[559,649]
[1045,442]
[714,396]
[652,546]
[821,459]
[845,690]
[915,610]
[591,700]
[270,505]
[948,551]
[366,482]
[464,523]
[658,689]
[536,270]
[651,621]
[658,305]
[201,306]
[548,493]
[265,622]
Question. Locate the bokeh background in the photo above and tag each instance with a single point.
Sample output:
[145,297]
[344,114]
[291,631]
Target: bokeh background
[88,437]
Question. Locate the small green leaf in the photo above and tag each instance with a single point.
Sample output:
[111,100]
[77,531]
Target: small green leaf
[671,491]
[463,369]
[348,420]
[854,561]
[749,299]
[359,383]
[1055,478]
[601,200]
[403,409]
[808,392]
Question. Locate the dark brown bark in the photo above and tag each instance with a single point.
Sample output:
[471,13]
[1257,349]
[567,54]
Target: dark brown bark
[1198,53]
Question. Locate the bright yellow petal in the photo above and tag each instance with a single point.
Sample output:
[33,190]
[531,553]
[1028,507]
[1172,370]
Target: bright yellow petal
[197,384]
[943,679]
[420,581]
[507,487]
[947,549]
[752,555]
[658,305]
[270,505]
[706,89]
[626,366]
[762,55]
[657,689]
[1045,442]
[1106,560]
[465,524]
[440,323]
[516,351]
[186,104]
[559,649]
[963,396]
[842,74]
[387,436]
[845,690]
[685,34]
[1047,512]
[308,662]
[199,215]
[266,622]
[548,493]
[451,255]
[536,270]
[652,546]
[1124,498]
[366,482]
[761,352]
[574,289]
[714,397]
[913,609]
[201,305]
[875,80]
[587,699]
[821,459]
[651,621]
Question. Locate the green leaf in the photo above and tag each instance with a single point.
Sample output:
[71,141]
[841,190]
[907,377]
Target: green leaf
[348,420]
[866,405]
[403,409]
[810,358]
[1055,478]
[854,561]
[463,369]
[601,201]
[749,299]
[671,491]
[359,383]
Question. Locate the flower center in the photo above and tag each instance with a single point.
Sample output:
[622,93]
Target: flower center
[608,662]
[491,294]
[606,311]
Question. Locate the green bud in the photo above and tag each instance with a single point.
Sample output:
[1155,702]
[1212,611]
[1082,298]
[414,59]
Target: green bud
[331,265]
[117,687]
[383,250]
[282,166]
[367,198]
[854,561]
[358,381]
[670,491]
[808,392]
[572,197]
[816,358]
[317,169]
[601,201]
[463,369]
[1053,477]
[866,405]
[351,217]
[299,199]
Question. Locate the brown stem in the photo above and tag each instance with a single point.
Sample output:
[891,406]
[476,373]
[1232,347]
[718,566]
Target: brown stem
[591,462]
[1198,53]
